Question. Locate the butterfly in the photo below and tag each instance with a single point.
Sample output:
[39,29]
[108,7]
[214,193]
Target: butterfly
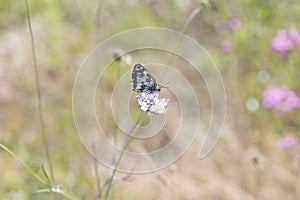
[142,80]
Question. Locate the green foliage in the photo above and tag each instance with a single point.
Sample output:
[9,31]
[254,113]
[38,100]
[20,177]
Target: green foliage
[65,31]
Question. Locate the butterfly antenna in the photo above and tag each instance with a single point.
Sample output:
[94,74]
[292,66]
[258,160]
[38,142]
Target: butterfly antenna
[165,85]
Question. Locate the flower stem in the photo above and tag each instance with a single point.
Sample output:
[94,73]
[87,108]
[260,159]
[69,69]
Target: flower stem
[36,176]
[51,188]
[187,22]
[38,91]
[190,18]
[129,139]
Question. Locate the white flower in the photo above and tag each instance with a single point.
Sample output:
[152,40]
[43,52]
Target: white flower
[159,106]
[151,102]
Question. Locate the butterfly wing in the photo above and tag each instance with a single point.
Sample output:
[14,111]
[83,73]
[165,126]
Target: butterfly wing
[142,80]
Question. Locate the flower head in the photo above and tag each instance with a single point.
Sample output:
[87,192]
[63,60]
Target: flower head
[280,98]
[234,24]
[284,41]
[286,142]
[151,102]
[227,46]
[159,106]
[294,35]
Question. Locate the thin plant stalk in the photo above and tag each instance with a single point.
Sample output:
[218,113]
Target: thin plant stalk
[52,188]
[66,193]
[36,176]
[98,20]
[98,183]
[129,139]
[187,22]
[38,91]
[190,18]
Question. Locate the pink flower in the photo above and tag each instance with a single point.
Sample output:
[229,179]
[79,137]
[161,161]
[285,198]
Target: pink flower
[227,46]
[281,42]
[286,142]
[280,98]
[284,41]
[294,35]
[234,24]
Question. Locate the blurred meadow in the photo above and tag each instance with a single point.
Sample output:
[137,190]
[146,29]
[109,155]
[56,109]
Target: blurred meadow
[256,46]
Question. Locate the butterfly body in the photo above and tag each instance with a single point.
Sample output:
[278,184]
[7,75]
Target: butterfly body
[142,80]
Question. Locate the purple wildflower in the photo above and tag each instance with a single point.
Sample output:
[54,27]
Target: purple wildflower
[286,142]
[227,46]
[280,98]
[294,35]
[151,102]
[234,24]
[284,41]
[281,43]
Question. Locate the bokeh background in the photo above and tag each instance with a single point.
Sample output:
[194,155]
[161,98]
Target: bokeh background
[256,47]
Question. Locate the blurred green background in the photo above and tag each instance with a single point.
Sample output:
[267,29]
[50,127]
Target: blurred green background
[245,164]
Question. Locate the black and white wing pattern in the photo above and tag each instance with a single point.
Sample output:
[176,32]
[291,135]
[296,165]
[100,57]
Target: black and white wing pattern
[142,80]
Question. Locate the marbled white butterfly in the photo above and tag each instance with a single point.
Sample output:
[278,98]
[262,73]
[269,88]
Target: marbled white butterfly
[142,80]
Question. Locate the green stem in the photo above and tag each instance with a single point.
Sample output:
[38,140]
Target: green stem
[190,18]
[98,184]
[24,165]
[129,139]
[66,193]
[98,18]
[38,91]
[187,22]
[54,189]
